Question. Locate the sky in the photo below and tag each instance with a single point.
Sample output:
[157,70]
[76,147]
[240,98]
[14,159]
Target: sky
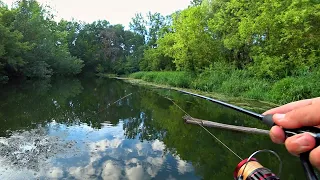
[114,11]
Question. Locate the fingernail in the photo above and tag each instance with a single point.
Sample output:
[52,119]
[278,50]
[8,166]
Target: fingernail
[279,117]
[302,142]
[275,139]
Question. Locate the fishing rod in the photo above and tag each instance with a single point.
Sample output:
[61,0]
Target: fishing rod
[255,170]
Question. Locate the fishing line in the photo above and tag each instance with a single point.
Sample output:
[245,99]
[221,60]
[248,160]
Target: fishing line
[207,130]
[110,104]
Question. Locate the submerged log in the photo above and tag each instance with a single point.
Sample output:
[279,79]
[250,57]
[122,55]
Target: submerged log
[205,123]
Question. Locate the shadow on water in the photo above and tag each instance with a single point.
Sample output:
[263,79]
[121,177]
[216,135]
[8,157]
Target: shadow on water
[70,128]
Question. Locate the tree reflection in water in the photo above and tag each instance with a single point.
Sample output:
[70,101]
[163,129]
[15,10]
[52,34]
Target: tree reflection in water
[140,137]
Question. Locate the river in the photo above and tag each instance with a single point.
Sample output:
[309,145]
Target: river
[79,129]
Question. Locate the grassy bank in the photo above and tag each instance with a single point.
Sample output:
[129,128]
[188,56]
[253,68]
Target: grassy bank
[238,83]
[250,104]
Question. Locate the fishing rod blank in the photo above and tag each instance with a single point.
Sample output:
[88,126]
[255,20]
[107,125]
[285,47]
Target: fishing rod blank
[250,113]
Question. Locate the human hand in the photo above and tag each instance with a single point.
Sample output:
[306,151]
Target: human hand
[295,115]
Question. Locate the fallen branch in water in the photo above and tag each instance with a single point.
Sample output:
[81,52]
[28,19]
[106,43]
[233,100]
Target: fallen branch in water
[205,123]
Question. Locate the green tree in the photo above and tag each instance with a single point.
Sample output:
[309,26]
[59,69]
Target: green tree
[11,46]
[138,25]
[87,43]
[156,22]
[155,58]
[276,38]
[49,54]
[194,47]
[132,52]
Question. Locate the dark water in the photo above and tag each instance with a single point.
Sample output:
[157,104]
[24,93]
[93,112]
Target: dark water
[70,129]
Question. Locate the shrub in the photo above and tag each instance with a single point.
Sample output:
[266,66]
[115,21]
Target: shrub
[137,75]
[240,81]
[295,88]
[149,76]
[172,78]
[210,80]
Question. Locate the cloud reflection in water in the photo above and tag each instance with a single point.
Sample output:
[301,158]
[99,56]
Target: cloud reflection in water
[107,154]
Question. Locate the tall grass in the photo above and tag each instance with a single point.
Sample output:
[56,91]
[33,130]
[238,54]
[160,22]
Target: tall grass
[240,83]
[172,78]
[296,88]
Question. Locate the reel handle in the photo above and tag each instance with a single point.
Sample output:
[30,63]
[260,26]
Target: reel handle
[304,157]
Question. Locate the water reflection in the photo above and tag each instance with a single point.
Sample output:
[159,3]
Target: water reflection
[96,154]
[75,133]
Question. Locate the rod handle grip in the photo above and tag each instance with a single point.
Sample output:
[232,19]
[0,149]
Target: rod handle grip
[268,120]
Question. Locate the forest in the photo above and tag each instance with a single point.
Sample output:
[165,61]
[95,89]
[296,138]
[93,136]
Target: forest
[262,49]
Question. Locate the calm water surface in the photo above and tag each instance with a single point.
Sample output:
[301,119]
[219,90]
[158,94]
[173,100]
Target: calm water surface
[76,129]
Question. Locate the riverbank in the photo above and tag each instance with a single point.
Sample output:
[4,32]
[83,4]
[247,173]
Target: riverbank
[234,86]
[239,84]
[251,104]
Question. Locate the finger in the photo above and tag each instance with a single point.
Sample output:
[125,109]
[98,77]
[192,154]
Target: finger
[277,135]
[314,157]
[289,107]
[305,116]
[300,143]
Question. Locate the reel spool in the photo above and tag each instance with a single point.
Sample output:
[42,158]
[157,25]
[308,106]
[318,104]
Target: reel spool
[251,169]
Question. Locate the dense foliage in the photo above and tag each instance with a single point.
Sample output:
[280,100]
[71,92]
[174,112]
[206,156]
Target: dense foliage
[271,41]
[33,45]
[267,50]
